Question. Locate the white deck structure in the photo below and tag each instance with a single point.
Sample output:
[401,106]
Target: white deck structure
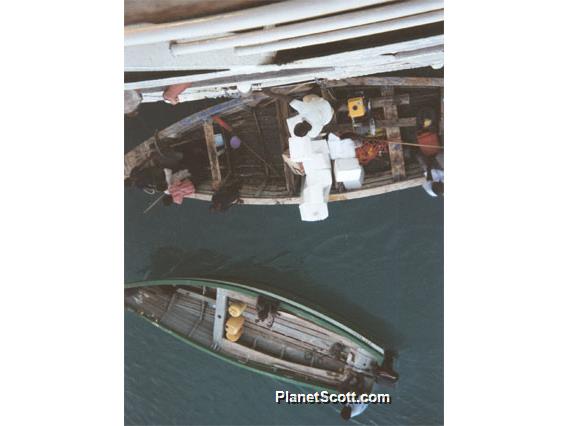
[238,48]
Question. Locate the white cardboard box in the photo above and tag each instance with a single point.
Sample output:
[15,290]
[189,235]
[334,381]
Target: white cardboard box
[300,148]
[340,148]
[311,212]
[319,146]
[355,184]
[347,169]
[317,186]
[314,194]
[317,162]
[319,178]
[303,148]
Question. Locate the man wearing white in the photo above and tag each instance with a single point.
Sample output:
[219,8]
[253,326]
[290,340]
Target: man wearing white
[314,110]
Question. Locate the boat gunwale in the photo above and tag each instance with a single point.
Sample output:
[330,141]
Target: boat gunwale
[334,197]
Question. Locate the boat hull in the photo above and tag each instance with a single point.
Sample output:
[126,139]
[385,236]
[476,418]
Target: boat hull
[280,370]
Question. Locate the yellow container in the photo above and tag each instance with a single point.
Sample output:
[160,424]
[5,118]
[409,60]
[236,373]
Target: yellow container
[236,309]
[356,107]
[234,337]
[234,325]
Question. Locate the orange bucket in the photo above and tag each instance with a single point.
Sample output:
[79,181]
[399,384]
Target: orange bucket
[429,144]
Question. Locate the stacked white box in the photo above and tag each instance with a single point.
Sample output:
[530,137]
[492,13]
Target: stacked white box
[304,148]
[347,149]
[319,146]
[317,162]
[319,178]
[340,148]
[300,148]
[313,212]
[314,197]
[349,172]
[355,184]
[347,169]
[314,156]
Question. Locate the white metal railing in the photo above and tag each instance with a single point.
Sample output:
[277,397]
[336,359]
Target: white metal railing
[316,26]
[272,14]
[332,36]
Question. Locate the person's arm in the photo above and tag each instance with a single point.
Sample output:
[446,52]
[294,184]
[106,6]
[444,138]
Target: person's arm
[426,164]
[440,159]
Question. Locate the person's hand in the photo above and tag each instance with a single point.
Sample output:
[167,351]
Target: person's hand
[171,94]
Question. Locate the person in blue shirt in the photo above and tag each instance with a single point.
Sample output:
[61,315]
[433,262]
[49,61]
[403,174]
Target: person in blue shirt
[352,409]
[385,375]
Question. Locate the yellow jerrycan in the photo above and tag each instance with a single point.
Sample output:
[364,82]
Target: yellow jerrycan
[234,337]
[234,325]
[237,308]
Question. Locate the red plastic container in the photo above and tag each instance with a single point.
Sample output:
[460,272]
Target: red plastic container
[429,144]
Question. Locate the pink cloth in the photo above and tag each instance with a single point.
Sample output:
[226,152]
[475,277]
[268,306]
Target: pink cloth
[181,189]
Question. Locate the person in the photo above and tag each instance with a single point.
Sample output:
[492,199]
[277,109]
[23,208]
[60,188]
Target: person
[314,110]
[226,196]
[171,94]
[354,383]
[179,185]
[434,172]
[166,157]
[302,128]
[353,409]
[385,373]
[434,185]
[147,178]
[267,309]
[426,120]
[132,100]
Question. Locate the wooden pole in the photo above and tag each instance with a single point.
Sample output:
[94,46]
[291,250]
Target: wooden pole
[281,115]
[393,133]
[388,81]
[212,153]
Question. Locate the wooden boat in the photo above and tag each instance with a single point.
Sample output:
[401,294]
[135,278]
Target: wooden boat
[259,120]
[291,342]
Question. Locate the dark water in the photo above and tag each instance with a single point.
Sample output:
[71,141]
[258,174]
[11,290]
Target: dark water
[376,261]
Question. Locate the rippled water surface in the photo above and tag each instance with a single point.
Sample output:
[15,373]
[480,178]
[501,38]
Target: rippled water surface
[377,261]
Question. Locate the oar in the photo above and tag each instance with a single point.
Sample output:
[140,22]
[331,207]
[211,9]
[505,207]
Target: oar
[154,203]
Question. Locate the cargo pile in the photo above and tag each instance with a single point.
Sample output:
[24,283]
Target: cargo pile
[235,324]
[316,156]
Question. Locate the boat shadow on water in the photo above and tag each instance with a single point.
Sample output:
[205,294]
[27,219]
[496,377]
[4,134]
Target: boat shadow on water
[173,262]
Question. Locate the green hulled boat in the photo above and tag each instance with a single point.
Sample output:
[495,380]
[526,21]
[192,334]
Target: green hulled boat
[262,331]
